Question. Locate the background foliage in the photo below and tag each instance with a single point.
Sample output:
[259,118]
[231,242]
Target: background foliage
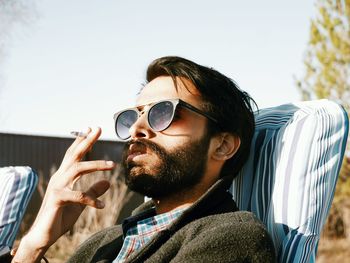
[327,59]
[327,65]
[327,75]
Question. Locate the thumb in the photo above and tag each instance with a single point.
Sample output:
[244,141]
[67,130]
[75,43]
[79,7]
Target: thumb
[86,198]
[96,190]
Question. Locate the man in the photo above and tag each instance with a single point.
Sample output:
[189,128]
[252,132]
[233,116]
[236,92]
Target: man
[188,137]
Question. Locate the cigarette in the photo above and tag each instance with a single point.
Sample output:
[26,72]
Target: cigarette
[79,134]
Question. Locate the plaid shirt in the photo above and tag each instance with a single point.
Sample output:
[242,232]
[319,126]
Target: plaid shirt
[139,230]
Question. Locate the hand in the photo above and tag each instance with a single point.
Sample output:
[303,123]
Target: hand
[62,205]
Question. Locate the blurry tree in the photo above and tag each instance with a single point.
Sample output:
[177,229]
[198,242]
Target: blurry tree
[327,58]
[327,75]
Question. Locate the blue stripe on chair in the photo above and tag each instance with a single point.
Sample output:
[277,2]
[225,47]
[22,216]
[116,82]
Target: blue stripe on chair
[19,184]
[10,199]
[289,179]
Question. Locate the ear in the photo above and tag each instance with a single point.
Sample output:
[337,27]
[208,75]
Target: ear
[225,146]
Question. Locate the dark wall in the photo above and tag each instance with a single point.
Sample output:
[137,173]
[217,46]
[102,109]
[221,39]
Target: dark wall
[44,154]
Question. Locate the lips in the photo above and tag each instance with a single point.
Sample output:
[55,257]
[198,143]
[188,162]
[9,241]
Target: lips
[136,149]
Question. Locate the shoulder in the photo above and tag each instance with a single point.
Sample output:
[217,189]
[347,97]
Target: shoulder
[235,223]
[227,220]
[230,236]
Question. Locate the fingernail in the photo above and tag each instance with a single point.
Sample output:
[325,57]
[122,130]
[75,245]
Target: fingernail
[110,163]
[100,204]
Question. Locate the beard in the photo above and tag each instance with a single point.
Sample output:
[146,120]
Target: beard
[172,172]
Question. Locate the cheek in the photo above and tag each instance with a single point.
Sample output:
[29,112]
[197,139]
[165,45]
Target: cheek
[182,130]
[170,142]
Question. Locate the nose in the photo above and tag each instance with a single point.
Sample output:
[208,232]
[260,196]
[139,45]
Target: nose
[141,129]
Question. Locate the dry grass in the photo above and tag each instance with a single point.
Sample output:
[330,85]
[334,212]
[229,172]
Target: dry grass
[333,250]
[91,219]
[334,245]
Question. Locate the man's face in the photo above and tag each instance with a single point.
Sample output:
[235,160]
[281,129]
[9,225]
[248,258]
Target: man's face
[158,164]
[174,171]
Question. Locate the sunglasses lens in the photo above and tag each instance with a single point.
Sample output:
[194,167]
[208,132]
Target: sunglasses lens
[123,123]
[161,115]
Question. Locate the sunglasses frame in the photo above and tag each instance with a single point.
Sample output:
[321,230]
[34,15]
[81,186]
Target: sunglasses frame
[175,102]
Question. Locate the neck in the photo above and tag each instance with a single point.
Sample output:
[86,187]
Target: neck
[164,205]
[180,199]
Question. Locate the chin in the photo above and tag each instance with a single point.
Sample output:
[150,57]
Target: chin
[143,184]
[138,170]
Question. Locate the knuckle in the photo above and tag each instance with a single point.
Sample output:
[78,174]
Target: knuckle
[99,165]
[81,197]
[76,167]
[69,150]
[76,155]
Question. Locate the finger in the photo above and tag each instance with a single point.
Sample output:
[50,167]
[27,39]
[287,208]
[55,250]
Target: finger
[79,197]
[70,151]
[79,139]
[85,145]
[75,171]
[13,251]
[81,168]
[98,189]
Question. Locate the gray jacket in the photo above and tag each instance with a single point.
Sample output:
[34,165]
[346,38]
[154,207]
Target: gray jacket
[211,230]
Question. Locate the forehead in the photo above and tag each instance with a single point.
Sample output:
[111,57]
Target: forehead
[163,87]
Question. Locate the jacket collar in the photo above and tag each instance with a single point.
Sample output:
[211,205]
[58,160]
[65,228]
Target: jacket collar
[212,197]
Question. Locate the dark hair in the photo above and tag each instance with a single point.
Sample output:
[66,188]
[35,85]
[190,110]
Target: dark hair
[222,99]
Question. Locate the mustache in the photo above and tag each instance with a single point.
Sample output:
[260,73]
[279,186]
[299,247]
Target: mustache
[154,147]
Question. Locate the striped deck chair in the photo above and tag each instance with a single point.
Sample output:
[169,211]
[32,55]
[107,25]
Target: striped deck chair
[16,187]
[289,179]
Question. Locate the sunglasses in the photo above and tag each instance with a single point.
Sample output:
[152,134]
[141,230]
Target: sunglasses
[159,116]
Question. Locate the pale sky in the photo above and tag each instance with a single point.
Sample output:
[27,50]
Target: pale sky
[79,61]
